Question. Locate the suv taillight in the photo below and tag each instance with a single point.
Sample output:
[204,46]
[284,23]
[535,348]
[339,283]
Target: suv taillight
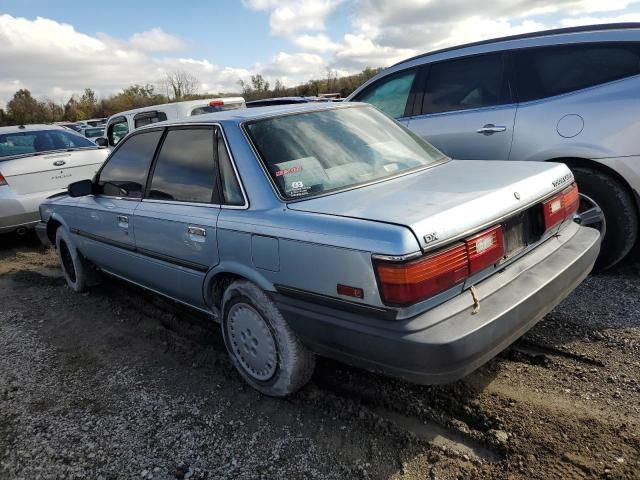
[562,206]
[3,181]
[410,282]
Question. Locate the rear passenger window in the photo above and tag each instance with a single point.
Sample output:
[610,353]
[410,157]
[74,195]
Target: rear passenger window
[549,71]
[147,118]
[125,173]
[390,94]
[461,84]
[185,169]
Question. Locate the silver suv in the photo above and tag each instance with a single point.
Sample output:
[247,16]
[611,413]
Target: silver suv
[567,95]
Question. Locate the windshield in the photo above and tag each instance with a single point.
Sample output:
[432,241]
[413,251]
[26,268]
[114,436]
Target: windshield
[25,143]
[316,152]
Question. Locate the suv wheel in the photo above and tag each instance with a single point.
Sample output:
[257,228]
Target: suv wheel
[262,347]
[601,195]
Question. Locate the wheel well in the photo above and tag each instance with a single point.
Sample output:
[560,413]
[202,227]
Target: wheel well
[52,227]
[219,284]
[586,163]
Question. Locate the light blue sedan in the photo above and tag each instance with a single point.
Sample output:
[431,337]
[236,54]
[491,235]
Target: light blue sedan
[328,229]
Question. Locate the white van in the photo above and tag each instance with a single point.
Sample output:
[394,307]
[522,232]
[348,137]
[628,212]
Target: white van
[120,124]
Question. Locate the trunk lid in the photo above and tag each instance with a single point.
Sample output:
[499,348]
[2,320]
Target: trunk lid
[449,200]
[51,171]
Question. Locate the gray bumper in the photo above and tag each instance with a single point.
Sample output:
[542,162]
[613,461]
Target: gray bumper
[449,341]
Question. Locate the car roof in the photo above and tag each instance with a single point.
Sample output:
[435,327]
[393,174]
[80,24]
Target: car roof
[525,36]
[30,128]
[244,115]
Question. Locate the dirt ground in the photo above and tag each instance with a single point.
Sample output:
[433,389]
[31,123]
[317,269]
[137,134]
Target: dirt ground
[119,383]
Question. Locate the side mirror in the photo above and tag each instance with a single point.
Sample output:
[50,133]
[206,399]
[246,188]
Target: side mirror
[101,142]
[80,189]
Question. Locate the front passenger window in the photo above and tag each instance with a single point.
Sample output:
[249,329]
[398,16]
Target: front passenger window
[125,173]
[390,94]
[117,130]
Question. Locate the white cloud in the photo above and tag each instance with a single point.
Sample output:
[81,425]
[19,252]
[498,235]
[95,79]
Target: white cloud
[290,16]
[54,60]
[157,40]
[317,43]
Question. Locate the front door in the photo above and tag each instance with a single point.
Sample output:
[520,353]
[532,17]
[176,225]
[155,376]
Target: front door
[175,225]
[103,225]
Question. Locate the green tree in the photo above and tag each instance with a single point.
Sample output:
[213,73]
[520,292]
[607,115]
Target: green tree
[23,108]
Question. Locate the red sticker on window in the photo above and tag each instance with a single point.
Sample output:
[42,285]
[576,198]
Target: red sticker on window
[288,171]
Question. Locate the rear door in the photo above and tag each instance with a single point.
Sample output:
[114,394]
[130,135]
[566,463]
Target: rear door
[175,224]
[103,224]
[464,107]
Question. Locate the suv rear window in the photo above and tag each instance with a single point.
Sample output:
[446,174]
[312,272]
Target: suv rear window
[24,143]
[316,152]
[549,71]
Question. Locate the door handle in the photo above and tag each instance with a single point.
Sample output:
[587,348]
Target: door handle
[123,221]
[490,129]
[201,232]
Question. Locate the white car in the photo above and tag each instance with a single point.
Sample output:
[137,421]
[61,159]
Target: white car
[120,124]
[36,162]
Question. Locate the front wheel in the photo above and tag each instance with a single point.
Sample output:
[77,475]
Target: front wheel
[607,205]
[73,268]
[261,345]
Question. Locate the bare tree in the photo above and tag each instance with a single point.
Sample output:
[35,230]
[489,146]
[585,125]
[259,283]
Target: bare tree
[180,84]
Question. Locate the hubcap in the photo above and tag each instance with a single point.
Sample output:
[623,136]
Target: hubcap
[252,341]
[67,261]
[590,214]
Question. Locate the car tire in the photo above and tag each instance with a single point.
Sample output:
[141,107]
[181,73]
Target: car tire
[263,348]
[620,214]
[74,268]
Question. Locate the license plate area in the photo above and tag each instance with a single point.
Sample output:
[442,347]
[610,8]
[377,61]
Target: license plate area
[520,231]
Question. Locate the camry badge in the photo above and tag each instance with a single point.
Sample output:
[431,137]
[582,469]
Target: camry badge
[517,195]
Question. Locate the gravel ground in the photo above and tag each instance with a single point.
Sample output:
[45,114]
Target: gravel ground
[119,383]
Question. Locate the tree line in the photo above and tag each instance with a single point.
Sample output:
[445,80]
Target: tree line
[23,108]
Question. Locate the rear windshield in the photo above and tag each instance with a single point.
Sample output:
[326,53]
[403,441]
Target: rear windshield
[316,152]
[25,143]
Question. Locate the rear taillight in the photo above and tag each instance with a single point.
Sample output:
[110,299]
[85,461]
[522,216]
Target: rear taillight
[3,181]
[410,282]
[216,103]
[406,283]
[562,206]
[485,248]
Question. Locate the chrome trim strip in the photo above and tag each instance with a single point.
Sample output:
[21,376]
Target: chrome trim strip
[396,258]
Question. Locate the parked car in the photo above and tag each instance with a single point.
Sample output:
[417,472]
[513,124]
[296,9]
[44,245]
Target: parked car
[330,229]
[120,124]
[567,95]
[93,133]
[37,161]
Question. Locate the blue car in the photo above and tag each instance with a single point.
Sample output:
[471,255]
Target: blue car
[328,229]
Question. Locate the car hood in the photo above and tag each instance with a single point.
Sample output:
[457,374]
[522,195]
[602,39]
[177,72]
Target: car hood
[448,200]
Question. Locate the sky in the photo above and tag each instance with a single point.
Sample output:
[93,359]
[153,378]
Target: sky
[58,48]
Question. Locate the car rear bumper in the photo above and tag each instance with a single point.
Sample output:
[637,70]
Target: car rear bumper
[18,211]
[450,341]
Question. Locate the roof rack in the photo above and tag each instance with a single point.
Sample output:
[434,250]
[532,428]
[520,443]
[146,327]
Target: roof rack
[541,33]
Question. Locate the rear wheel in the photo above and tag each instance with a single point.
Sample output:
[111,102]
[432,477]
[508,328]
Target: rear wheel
[262,347]
[607,205]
